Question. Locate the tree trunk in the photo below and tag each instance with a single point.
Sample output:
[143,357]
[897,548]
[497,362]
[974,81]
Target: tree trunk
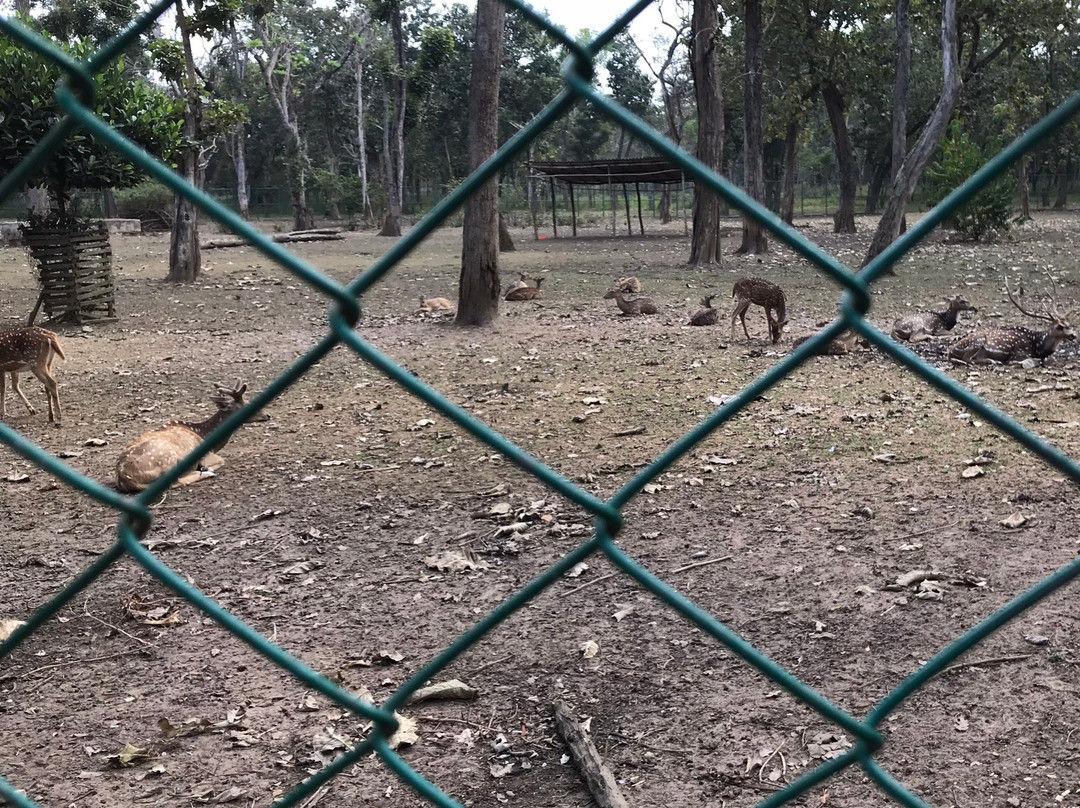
[665,206]
[506,241]
[791,151]
[1062,186]
[754,239]
[362,167]
[394,140]
[1025,191]
[844,218]
[912,168]
[239,156]
[185,259]
[900,92]
[704,30]
[108,200]
[882,169]
[478,294]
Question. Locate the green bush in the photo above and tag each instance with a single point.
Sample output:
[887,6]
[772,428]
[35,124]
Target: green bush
[149,201]
[991,210]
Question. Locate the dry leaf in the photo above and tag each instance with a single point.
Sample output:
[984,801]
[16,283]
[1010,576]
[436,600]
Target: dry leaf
[577,569]
[406,734]
[7,627]
[972,471]
[456,561]
[623,612]
[1014,520]
[452,689]
[589,649]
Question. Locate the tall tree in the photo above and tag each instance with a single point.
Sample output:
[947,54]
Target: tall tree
[275,52]
[912,168]
[628,84]
[754,238]
[395,93]
[478,295]
[900,91]
[185,258]
[705,243]
[836,109]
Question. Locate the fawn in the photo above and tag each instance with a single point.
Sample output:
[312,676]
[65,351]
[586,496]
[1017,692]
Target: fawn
[637,305]
[1015,343]
[759,292]
[435,304]
[153,453]
[526,292]
[30,349]
[706,315]
[925,324]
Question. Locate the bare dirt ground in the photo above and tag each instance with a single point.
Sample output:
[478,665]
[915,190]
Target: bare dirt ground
[363,483]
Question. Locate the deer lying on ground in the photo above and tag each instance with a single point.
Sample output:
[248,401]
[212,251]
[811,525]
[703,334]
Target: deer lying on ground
[632,306]
[153,453]
[30,350]
[1015,343]
[435,304]
[759,292]
[706,315]
[526,292]
[844,344]
[520,283]
[628,286]
[925,324]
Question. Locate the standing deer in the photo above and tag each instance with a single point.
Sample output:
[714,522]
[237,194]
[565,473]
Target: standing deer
[706,315]
[1015,343]
[153,453]
[925,324]
[633,306]
[33,350]
[759,292]
[526,292]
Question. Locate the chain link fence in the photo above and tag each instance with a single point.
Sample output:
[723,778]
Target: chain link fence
[75,94]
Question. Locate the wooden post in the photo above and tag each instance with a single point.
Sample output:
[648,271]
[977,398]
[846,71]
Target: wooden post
[640,221]
[611,193]
[554,221]
[682,192]
[626,199]
[573,209]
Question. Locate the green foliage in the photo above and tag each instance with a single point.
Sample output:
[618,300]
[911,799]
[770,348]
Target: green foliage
[988,212]
[28,110]
[149,201]
[628,83]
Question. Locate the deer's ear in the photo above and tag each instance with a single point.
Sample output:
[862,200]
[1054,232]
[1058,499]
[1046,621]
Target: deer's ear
[241,389]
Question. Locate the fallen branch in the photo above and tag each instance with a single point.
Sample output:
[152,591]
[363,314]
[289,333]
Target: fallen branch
[598,777]
[637,430]
[452,689]
[588,583]
[980,662]
[701,564]
[280,238]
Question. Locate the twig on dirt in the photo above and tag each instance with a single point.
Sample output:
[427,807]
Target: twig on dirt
[991,661]
[598,777]
[378,468]
[487,665]
[765,763]
[934,529]
[637,430]
[261,556]
[588,583]
[701,564]
[128,652]
[316,798]
[87,612]
[473,724]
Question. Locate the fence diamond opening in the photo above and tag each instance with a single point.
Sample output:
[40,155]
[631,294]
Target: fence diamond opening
[75,96]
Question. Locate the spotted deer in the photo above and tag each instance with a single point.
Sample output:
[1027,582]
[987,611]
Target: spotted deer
[631,306]
[526,292]
[153,453]
[759,292]
[30,350]
[629,285]
[1015,343]
[520,283]
[706,315]
[925,324]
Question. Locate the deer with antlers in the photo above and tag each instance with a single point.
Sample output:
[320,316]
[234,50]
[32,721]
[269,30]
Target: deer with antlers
[153,453]
[759,292]
[30,350]
[1015,343]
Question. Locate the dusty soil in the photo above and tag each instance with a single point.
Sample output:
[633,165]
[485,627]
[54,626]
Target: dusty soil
[363,483]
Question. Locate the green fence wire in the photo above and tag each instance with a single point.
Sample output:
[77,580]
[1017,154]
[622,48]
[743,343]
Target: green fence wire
[75,95]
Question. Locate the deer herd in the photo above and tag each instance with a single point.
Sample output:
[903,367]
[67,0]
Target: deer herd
[148,457]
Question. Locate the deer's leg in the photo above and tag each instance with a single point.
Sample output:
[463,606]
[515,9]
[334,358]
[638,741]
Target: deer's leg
[15,387]
[53,394]
[3,392]
[742,316]
[734,315]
